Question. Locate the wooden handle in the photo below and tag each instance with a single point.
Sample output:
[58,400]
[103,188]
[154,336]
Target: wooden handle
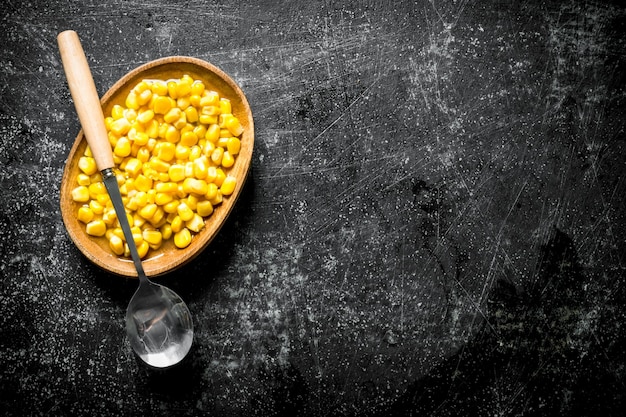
[85,98]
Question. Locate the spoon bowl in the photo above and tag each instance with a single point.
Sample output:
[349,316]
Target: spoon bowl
[159,325]
[168,257]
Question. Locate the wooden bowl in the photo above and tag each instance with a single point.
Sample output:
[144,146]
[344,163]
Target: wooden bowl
[168,257]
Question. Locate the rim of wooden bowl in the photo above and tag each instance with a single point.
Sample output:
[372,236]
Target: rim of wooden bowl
[168,258]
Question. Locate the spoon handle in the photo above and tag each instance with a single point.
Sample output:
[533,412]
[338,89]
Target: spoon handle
[85,98]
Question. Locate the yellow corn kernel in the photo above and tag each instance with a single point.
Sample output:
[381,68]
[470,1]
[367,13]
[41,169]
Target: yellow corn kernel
[162,199]
[171,217]
[116,244]
[131,100]
[234,126]
[80,194]
[196,186]
[212,191]
[109,217]
[194,99]
[191,114]
[183,103]
[223,118]
[227,160]
[182,152]
[207,119]
[122,147]
[152,236]
[195,153]
[228,186]
[95,189]
[131,204]
[130,115]
[217,199]
[182,238]
[183,86]
[143,154]
[142,249]
[108,121]
[85,214]
[181,123]
[211,174]
[184,212]
[158,218]
[165,187]
[150,195]
[152,129]
[142,86]
[192,201]
[141,183]
[197,88]
[162,105]
[117,112]
[145,116]
[159,165]
[173,115]
[219,177]
[211,110]
[210,98]
[159,87]
[88,152]
[195,224]
[148,211]
[216,155]
[208,148]
[120,126]
[96,207]
[87,165]
[225,106]
[204,208]
[141,198]
[138,221]
[103,199]
[171,207]
[176,224]
[83,179]
[144,97]
[134,149]
[222,142]
[172,134]
[113,138]
[200,131]
[233,145]
[200,167]
[137,235]
[189,169]
[96,228]
[188,139]
[171,89]
[166,231]
[133,167]
[165,151]
[176,172]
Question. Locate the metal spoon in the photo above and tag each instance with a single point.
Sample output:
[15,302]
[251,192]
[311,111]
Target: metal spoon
[158,322]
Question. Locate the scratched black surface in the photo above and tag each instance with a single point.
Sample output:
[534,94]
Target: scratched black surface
[434,224]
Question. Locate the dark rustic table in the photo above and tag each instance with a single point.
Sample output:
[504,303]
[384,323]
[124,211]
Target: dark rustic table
[434,223]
